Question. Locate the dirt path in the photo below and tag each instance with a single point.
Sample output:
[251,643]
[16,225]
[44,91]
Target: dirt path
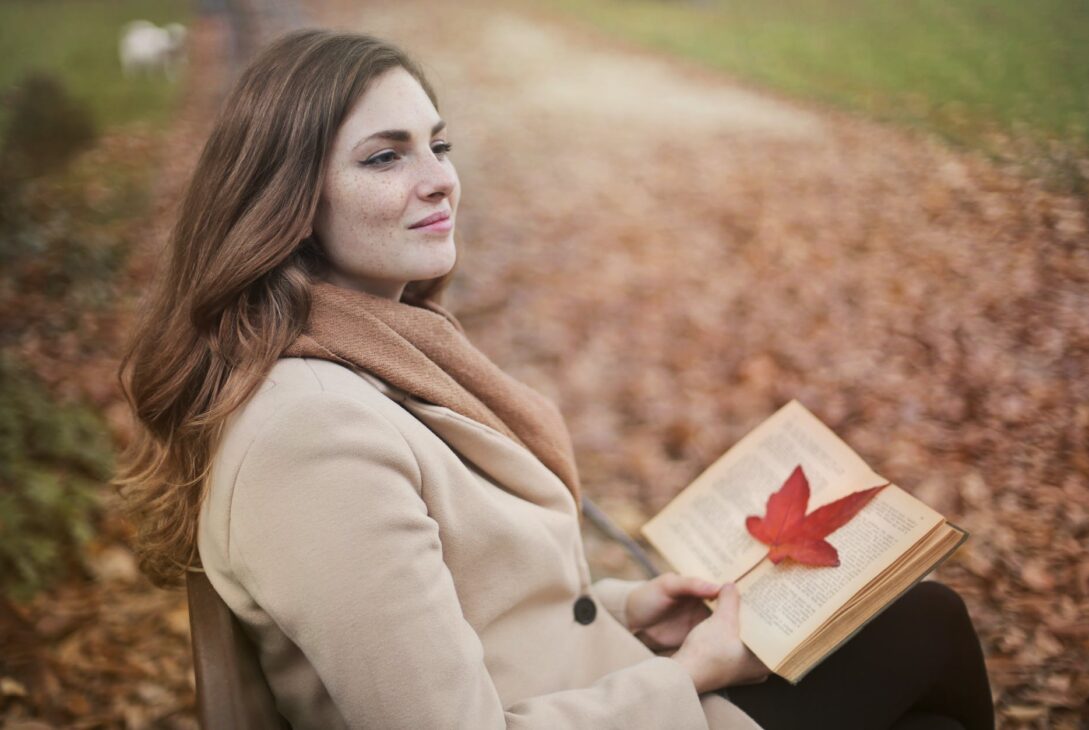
[672,256]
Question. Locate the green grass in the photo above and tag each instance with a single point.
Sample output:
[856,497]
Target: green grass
[77,41]
[992,75]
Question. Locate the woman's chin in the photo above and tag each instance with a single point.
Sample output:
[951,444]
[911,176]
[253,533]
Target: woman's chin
[442,263]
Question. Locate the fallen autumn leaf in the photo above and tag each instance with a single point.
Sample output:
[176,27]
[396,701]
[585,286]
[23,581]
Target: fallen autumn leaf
[792,534]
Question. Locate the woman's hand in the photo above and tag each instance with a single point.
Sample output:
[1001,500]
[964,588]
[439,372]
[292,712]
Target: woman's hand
[713,653]
[663,610]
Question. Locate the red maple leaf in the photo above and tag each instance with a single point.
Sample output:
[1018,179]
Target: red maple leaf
[793,534]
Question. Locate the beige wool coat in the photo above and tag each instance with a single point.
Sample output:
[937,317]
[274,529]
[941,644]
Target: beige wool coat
[400,565]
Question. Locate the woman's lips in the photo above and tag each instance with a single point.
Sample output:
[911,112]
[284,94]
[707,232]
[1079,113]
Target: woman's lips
[439,226]
[433,218]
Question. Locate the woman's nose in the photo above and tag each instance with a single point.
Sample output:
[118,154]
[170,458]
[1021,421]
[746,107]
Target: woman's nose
[437,179]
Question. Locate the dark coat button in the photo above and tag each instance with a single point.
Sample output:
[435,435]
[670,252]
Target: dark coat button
[585,610]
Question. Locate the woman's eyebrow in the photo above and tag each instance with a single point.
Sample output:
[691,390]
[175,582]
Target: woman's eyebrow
[399,135]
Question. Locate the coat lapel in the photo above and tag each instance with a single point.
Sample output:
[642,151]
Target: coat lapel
[512,466]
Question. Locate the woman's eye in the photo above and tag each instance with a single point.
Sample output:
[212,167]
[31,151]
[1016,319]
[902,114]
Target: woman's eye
[389,156]
[382,158]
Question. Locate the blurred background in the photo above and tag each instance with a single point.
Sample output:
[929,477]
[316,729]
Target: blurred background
[676,216]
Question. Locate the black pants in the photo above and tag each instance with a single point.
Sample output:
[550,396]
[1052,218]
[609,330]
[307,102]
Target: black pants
[916,666]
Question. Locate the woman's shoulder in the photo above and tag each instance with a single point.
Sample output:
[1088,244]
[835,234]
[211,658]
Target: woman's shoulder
[308,395]
[294,377]
[295,380]
[303,409]
[310,424]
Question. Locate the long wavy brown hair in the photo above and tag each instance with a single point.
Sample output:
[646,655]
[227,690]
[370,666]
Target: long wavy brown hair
[235,292]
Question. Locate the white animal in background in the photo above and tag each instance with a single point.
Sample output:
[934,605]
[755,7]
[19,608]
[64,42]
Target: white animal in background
[147,48]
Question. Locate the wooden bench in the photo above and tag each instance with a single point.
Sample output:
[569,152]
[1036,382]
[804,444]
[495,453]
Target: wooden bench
[232,693]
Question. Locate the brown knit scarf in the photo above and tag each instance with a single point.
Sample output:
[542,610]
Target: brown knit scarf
[423,351]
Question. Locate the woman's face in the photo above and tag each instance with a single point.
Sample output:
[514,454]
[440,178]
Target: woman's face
[388,170]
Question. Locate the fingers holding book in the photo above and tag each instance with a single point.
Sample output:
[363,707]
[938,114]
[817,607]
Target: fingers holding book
[713,653]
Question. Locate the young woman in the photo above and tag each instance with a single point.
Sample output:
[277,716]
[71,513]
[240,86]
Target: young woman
[393,519]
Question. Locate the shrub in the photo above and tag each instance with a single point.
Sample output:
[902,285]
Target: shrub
[54,269]
[52,457]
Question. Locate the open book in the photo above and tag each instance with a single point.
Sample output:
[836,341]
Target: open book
[792,615]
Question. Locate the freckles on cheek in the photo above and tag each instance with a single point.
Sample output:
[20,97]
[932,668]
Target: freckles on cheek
[370,216]
[368,210]
[351,204]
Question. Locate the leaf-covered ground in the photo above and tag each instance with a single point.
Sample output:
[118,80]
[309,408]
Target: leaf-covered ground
[672,257]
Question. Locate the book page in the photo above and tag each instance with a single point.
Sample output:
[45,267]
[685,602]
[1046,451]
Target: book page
[906,571]
[781,605]
[702,531]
